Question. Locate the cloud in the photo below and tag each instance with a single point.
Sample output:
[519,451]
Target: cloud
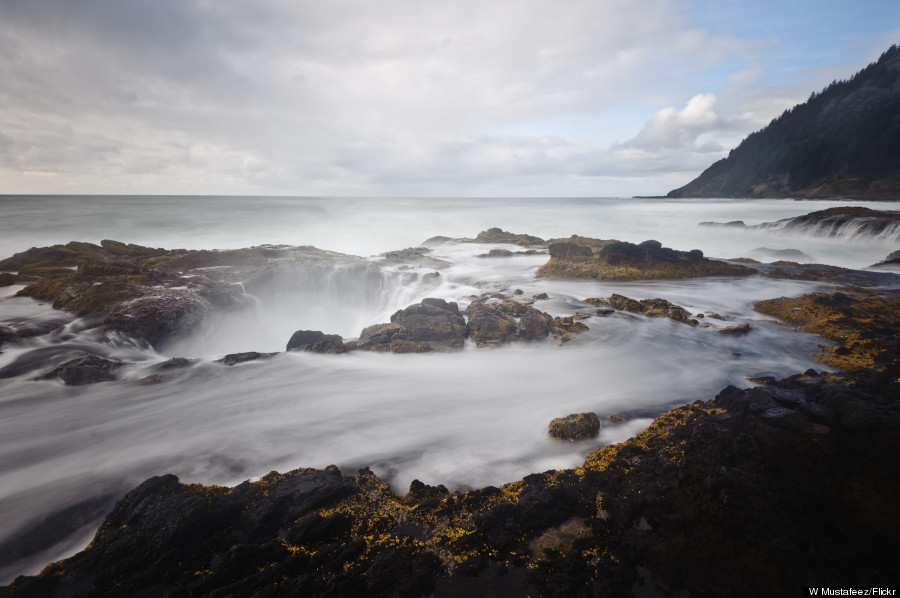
[670,129]
[350,96]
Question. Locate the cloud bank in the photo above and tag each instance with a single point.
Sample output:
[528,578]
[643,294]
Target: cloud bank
[363,98]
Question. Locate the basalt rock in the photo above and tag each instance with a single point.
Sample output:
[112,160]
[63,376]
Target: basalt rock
[497,253]
[236,358]
[496,235]
[315,341]
[740,330]
[584,241]
[864,325]
[432,325]
[89,369]
[568,250]
[575,426]
[653,308]
[892,260]
[562,329]
[500,320]
[150,294]
[417,256]
[627,261]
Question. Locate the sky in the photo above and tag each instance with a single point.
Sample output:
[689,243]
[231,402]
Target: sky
[406,97]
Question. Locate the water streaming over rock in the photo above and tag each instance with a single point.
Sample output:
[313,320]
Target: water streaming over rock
[478,416]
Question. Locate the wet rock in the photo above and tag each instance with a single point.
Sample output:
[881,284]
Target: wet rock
[534,324]
[432,325]
[562,329]
[568,250]
[491,323]
[7,279]
[89,369]
[236,358]
[496,235]
[152,295]
[652,308]
[646,261]
[497,253]
[496,322]
[736,330]
[892,260]
[861,323]
[835,221]
[315,341]
[764,254]
[415,255]
[541,297]
[175,363]
[575,426]
[615,420]
[585,241]
[419,492]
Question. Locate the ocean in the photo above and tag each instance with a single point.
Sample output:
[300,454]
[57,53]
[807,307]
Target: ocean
[467,419]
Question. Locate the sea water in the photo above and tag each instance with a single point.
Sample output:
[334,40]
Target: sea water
[467,419]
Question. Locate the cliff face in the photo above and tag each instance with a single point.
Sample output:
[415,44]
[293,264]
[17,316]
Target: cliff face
[844,141]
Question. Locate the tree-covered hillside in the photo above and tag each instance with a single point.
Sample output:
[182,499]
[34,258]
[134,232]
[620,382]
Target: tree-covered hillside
[842,142]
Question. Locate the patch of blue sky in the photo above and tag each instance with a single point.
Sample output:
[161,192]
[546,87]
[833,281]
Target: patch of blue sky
[798,36]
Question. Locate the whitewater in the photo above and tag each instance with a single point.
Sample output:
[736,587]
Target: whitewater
[466,419]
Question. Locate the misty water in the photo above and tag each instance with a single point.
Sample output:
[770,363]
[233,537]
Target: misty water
[466,419]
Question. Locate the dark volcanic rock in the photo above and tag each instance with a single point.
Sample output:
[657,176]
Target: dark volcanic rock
[893,259]
[236,358]
[653,308]
[432,325]
[89,369]
[626,261]
[497,253]
[849,220]
[315,341]
[575,426]
[496,235]
[493,321]
[152,294]
[566,250]
[736,330]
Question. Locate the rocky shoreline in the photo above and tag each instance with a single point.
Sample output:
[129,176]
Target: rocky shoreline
[761,490]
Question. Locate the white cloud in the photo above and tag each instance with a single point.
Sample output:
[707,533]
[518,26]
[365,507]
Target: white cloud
[352,96]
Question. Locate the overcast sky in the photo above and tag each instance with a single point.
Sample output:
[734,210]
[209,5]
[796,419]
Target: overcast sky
[406,97]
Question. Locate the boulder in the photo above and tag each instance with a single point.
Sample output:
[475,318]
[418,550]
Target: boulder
[314,341]
[496,322]
[575,426]
[89,369]
[736,330]
[497,253]
[432,325]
